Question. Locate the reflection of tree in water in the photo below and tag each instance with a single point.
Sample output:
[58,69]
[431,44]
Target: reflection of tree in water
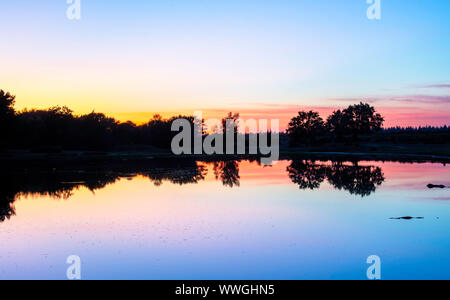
[177,176]
[60,184]
[227,172]
[7,209]
[306,175]
[358,180]
[54,185]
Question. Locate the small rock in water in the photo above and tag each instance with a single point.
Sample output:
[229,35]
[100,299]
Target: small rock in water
[408,218]
[434,186]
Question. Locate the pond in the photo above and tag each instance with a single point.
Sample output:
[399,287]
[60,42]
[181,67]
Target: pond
[297,219]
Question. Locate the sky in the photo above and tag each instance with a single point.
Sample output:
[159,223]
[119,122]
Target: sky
[263,58]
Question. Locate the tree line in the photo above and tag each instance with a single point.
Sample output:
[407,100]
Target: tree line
[308,127]
[58,128]
[358,123]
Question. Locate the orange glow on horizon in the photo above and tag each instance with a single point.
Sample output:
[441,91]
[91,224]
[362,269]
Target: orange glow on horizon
[404,115]
[394,116]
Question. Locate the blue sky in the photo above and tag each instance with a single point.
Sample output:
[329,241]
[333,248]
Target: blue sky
[191,54]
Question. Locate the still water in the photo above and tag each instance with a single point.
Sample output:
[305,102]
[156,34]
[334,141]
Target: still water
[228,220]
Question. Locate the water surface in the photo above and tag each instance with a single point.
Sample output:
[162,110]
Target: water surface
[227,220]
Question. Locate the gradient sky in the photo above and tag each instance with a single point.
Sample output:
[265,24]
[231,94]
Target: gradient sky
[260,57]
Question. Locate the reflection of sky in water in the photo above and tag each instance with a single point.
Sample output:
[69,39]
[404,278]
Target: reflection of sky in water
[265,229]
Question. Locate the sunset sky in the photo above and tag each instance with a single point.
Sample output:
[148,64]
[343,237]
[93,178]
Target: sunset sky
[263,58]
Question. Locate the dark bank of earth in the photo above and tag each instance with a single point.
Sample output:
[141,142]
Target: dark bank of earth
[408,218]
[436,186]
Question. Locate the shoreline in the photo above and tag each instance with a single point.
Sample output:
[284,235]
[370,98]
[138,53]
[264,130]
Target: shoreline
[25,158]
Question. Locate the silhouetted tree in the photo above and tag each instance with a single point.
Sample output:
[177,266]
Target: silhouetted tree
[355,120]
[52,127]
[157,132]
[305,127]
[96,131]
[7,114]
[337,125]
[362,119]
[231,117]
[6,104]
[126,133]
[234,118]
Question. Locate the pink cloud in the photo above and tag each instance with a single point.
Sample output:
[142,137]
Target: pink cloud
[424,99]
[394,115]
[434,86]
[414,110]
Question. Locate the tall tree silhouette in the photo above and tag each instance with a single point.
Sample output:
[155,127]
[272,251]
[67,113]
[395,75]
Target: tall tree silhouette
[305,127]
[7,114]
[337,125]
[359,119]
[232,117]
[7,102]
